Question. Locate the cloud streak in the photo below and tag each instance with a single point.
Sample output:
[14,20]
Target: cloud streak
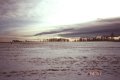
[53,32]
[99,27]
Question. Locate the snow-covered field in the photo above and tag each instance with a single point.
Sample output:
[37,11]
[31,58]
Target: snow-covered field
[60,61]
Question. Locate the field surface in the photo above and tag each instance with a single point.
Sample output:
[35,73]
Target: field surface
[60,61]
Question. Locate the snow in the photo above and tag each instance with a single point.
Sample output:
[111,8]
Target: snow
[60,61]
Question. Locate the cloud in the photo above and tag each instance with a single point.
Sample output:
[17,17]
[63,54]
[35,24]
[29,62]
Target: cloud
[17,8]
[17,14]
[99,27]
[53,32]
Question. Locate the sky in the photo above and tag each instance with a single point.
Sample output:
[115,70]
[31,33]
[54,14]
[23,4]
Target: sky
[35,19]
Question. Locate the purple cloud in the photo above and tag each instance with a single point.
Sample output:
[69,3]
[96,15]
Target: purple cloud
[100,27]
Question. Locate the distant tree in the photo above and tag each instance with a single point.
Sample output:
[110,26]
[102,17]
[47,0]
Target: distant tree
[16,41]
[112,36]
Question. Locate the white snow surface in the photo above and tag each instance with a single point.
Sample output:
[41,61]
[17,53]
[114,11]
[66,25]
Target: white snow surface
[60,61]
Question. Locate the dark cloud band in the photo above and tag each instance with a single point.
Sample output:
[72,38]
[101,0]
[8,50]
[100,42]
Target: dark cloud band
[104,26]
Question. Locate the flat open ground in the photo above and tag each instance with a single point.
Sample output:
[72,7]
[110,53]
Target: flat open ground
[60,61]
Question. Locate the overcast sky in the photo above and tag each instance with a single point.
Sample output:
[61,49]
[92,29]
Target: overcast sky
[31,19]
